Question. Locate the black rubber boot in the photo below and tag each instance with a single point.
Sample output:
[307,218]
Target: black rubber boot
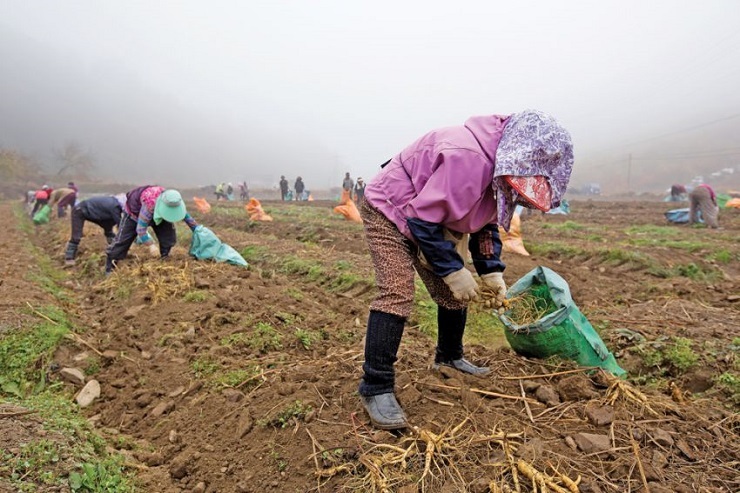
[384,332]
[70,253]
[450,330]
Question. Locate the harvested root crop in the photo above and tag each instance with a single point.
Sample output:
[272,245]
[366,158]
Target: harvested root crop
[531,306]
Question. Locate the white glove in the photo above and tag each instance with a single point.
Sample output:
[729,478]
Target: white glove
[493,289]
[154,250]
[462,285]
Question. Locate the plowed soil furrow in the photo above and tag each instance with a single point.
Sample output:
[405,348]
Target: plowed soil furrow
[245,379]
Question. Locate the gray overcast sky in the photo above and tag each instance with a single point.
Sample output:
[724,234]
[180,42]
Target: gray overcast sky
[195,92]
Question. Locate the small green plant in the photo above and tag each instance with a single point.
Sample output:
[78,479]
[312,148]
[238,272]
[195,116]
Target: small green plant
[572,226]
[553,248]
[35,461]
[730,383]
[93,366]
[652,357]
[294,293]
[196,296]
[232,378]
[265,338]
[619,256]
[255,253]
[309,268]
[92,265]
[722,256]
[280,462]
[675,356]
[680,354]
[204,367]
[123,291]
[307,337]
[235,339]
[25,354]
[652,230]
[292,413]
[287,319]
[104,477]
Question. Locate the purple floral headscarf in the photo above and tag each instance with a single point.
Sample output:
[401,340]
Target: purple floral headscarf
[533,143]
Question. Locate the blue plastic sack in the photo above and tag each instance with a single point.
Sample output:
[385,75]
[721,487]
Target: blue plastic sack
[681,216]
[206,245]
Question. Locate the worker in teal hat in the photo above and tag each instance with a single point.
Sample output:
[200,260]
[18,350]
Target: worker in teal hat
[148,206]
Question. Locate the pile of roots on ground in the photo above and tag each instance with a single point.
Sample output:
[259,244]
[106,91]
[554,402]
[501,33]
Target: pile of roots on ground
[160,280]
[595,433]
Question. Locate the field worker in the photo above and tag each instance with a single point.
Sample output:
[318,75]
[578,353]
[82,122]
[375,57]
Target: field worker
[61,198]
[30,200]
[148,206]
[359,190]
[703,199]
[451,181]
[220,194]
[244,191]
[299,188]
[678,193]
[348,184]
[283,188]
[41,198]
[104,211]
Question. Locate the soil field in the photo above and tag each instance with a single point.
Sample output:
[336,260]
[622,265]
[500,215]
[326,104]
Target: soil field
[225,379]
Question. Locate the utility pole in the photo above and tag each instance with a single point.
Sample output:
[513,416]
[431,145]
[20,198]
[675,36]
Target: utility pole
[629,173]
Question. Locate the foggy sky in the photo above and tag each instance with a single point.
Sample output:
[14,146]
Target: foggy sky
[192,93]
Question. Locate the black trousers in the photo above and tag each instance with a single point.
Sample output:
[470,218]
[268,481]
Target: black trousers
[78,224]
[38,205]
[164,231]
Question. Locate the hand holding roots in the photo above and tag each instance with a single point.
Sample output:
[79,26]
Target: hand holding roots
[492,298]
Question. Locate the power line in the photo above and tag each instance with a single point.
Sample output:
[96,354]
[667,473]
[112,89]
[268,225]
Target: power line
[688,129]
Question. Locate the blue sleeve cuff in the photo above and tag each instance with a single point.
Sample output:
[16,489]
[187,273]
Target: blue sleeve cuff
[439,252]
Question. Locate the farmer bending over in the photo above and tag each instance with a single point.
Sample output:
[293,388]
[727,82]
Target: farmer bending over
[61,198]
[148,206]
[703,199]
[417,213]
[103,211]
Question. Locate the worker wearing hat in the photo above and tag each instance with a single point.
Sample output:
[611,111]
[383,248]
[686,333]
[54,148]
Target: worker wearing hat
[418,212]
[148,206]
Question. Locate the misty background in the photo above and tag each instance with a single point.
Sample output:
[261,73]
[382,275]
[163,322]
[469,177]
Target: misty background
[193,93]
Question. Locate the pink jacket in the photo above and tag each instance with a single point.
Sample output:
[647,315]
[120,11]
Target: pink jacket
[445,177]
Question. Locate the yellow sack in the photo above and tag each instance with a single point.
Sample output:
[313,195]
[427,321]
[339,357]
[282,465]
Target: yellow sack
[513,239]
[349,210]
[254,209]
[735,203]
[202,205]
